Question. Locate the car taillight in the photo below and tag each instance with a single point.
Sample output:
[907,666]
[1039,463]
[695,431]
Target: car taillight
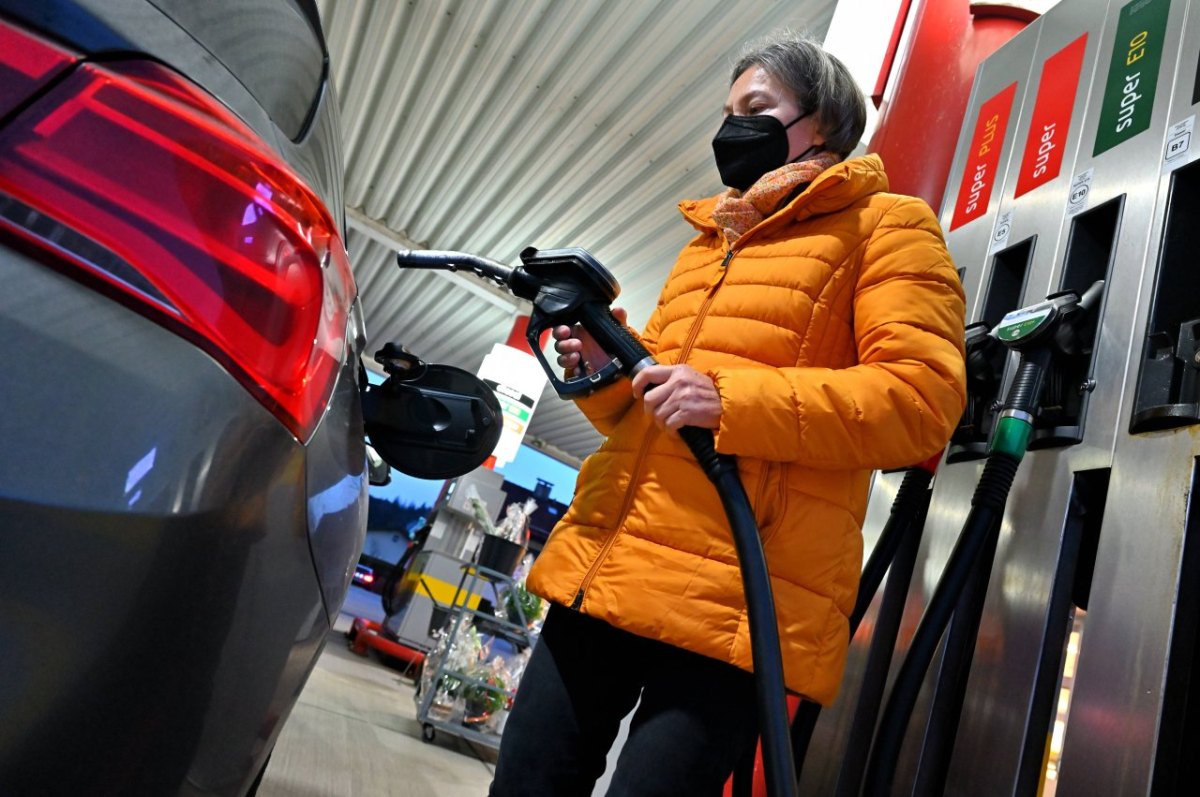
[27,63]
[158,194]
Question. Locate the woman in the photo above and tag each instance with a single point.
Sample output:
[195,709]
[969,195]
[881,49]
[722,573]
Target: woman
[815,325]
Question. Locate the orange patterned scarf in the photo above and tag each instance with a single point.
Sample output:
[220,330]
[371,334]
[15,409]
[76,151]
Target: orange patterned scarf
[736,212]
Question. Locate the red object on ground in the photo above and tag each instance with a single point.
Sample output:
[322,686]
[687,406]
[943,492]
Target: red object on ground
[364,634]
[760,777]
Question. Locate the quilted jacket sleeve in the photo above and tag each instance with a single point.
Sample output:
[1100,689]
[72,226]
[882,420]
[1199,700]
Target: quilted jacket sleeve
[900,403]
[607,406]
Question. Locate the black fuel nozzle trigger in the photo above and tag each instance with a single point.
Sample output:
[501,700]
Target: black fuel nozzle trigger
[586,382]
[568,287]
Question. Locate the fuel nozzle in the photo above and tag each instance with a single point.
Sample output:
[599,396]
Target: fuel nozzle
[1059,323]
[1048,335]
[569,286]
[985,359]
[442,260]
[566,287]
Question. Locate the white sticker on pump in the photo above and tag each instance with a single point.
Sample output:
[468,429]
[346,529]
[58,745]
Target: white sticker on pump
[1081,186]
[1179,141]
[1000,234]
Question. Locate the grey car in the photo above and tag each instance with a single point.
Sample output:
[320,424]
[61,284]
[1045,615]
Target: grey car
[182,469]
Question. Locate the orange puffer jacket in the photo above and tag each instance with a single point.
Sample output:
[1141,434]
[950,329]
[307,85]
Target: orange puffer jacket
[834,333]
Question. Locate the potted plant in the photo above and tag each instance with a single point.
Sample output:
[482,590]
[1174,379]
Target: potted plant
[530,605]
[484,699]
[503,544]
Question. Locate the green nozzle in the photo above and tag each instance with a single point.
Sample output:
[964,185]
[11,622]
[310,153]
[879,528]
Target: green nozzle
[1012,437]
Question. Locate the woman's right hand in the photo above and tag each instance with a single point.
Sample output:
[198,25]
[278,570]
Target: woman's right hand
[576,347]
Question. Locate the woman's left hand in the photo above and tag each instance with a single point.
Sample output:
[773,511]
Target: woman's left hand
[677,396]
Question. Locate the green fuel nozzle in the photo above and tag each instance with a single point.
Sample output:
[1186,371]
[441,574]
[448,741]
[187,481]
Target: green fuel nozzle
[1061,326]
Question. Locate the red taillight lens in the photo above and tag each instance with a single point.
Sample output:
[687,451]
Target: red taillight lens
[368,578]
[229,246]
[27,63]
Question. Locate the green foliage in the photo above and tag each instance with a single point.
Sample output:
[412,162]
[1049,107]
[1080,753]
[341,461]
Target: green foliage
[531,605]
[486,700]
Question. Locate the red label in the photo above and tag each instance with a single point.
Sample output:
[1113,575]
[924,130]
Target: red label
[980,173]
[1051,120]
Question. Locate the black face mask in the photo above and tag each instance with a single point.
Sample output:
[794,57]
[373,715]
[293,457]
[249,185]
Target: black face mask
[747,147]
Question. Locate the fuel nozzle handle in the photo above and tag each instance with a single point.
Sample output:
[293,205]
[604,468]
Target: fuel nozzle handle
[615,338]
[1055,326]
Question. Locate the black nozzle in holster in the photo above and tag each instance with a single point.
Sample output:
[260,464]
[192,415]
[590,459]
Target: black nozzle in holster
[1063,325]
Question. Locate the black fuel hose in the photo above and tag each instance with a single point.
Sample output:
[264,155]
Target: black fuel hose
[983,521]
[778,765]
[879,660]
[911,502]
[614,338]
[946,710]
[905,520]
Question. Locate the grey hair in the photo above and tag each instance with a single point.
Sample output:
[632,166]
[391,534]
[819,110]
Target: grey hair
[821,83]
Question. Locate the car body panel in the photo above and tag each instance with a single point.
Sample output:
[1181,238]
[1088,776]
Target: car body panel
[283,71]
[170,508]
[171,556]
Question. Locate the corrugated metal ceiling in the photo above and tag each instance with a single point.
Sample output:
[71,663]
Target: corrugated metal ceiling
[491,125]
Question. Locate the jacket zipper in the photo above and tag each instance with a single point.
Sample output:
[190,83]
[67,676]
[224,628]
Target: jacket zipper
[636,472]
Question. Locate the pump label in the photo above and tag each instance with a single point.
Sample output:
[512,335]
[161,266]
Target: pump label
[983,160]
[1000,235]
[1050,124]
[1081,186]
[1179,141]
[1132,72]
[1020,323]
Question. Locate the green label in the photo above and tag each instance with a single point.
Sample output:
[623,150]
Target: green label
[520,413]
[1132,72]
[1020,323]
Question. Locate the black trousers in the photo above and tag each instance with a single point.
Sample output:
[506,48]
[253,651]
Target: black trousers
[696,718]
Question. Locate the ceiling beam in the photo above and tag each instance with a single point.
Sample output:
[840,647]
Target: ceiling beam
[552,451]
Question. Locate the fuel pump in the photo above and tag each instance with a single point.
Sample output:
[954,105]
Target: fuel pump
[569,286]
[896,552]
[1062,326]
[899,538]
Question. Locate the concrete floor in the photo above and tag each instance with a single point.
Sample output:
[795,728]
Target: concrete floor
[354,732]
